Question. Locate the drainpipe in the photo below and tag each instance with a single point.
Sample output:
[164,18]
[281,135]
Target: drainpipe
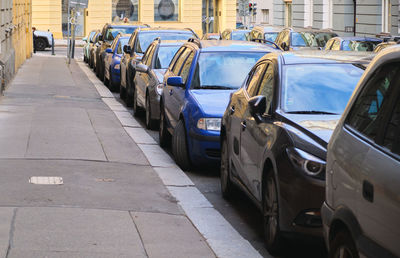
[354,16]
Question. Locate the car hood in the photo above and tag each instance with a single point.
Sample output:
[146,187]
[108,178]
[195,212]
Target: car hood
[160,74]
[320,126]
[306,48]
[212,102]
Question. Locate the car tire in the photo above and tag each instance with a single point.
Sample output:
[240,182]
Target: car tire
[150,123]
[179,146]
[272,234]
[122,92]
[129,94]
[40,44]
[97,67]
[225,177]
[163,134]
[343,244]
[137,111]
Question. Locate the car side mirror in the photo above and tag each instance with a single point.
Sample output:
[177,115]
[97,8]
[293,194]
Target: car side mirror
[142,68]
[127,49]
[257,106]
[109,50]
[176,81]
[284,46]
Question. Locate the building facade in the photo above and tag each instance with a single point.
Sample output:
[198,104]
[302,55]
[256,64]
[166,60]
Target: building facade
[15,37]
[346,17]
[263,13]
[200,15]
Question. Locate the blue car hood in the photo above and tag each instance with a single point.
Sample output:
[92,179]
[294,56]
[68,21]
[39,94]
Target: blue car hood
[212,102]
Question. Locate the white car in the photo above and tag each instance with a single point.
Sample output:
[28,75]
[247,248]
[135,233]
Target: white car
[42,40]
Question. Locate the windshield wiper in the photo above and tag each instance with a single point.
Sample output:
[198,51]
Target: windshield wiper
[216,87]
[313,112]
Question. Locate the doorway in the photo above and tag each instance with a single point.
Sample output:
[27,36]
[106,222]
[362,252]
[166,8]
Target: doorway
[210,16]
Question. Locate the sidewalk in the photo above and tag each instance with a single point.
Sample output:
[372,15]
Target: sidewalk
[111,203]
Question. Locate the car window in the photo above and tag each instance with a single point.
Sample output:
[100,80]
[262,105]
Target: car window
[122,42]
[267,86]
[270,36]
[164,56]
[186,67]
[150,55]
[329,44]
[114,44]
[371,105]
[252,83]
[145,39]
[180,61]
[285,37]
[391,141]
[176,56]
[146,55]
[239,35]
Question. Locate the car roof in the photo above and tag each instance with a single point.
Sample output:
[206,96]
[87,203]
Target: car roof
[359,39]
[165,29]
[326,57]
[232,46]
[269,28]
[309,30]
[240,30]
[172,42]
[125,25]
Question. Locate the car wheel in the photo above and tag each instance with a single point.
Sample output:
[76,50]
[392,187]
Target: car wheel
[163,134]
[101,68]
[122,92]
[272,234]
[40,44]
[150,123]
[179,146]
[225,178]
[97,67]
[343,246]
[137,111]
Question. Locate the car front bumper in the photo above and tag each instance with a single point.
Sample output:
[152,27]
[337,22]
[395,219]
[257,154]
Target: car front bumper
[205,147]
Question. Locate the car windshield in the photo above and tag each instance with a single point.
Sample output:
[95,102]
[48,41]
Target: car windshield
[317,88]
[164,56]
[271,36]
[311,39]
[113,32]
[352,45]
[239,35]
[122,42]
[145,39]
[223,70]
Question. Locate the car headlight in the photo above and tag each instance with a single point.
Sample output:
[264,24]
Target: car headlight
[210,124]
[117,66]
[159,88]
[310,164]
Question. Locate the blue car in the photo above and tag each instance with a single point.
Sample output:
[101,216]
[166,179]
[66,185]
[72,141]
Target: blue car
[112,62]
[197,87]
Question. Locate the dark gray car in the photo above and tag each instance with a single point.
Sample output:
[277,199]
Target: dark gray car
[362,207]
[149,78]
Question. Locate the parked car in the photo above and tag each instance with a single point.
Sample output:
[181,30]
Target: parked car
[231,34]
[42,40]
[149,79]
[112,60]
[299,39]
[211,36]
[133,53]
[352,43]
[268,33]
[274,134]
[86,47]
[92,50]
[108,33]
[384,45]
[362,206]
[197,86]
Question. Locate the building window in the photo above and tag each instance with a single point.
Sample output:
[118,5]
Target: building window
[288,14]
[308,13]
[166,10]
[125,9]
[265,15]
[386,15]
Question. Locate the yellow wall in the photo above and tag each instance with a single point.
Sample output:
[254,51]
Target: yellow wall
[22,34]
[47,15]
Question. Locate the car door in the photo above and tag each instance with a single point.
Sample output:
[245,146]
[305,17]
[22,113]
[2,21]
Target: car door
[125,60]
[376,117]
[237,110]
[252,139]
[170,99]
[141,78]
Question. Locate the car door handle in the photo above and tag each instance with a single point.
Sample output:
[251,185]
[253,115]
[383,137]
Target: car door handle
[368,191]
[243,124]
[170,92]
[232,110]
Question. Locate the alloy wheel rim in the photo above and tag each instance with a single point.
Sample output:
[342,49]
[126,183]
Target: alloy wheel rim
[271,211]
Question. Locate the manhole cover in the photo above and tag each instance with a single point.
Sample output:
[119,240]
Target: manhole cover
[46,180]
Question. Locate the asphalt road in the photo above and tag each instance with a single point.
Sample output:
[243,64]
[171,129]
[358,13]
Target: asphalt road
[239,211]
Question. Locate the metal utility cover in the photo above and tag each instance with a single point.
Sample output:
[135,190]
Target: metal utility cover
[46,180]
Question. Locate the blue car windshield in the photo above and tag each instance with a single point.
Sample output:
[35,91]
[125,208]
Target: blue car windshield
[311,39]
[352,45]
[145,39]
[223,70]
[122,42]
[113,32]
[239,35]
[315,87]
[164,56]
[271,36]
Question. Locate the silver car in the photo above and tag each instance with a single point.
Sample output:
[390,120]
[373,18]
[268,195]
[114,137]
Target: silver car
[361,213]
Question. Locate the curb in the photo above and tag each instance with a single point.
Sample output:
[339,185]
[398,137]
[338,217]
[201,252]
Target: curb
[222,238]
